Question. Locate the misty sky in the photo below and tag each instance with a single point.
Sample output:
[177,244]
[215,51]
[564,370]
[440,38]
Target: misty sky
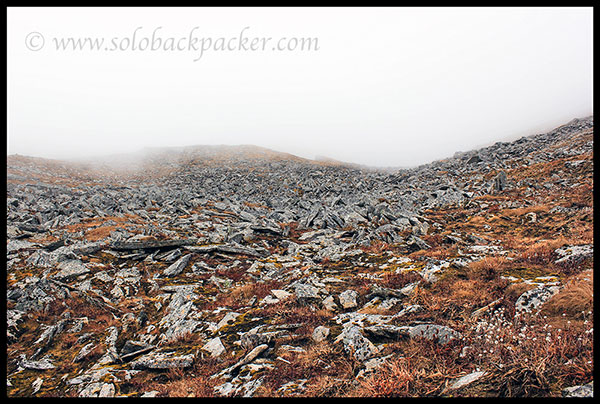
[387,87]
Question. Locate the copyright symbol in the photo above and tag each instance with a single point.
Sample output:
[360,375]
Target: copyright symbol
[34,41]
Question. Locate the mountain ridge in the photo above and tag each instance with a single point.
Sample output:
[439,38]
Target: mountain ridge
[183,153]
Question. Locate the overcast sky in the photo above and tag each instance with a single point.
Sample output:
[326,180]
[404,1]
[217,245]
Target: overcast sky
[386,87]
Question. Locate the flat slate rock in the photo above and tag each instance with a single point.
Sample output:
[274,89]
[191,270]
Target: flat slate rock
[71,268]
[150,244]
[163,361]
[442,333]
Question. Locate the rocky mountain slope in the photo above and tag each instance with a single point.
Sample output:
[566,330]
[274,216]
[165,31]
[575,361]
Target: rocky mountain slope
[239,271]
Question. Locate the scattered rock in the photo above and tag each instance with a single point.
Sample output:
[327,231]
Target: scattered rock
[177,267]
[533,299]
[71,268]
[466,380]
[586,390]
[214,347]
[441,333]
[42,364]
[159,360]
[320,333]
[356,344]
[348,299]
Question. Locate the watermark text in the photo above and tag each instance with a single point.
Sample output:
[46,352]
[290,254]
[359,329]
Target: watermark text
[159,40]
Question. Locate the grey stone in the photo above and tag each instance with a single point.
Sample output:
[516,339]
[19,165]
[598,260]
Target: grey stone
[320,333]
[441,333]
[37,384]
[280,294]
[42,364]
[84,351]
[466,380]
[500,182]
[329,303]
[586,390]
[159,360]
[304,291]
[356,344]
[574,254]
[177,267]
[229,318]
[387,331]
[107,390]
[71,268]
[214,347]
[134,348]
[348,299]
[533,299]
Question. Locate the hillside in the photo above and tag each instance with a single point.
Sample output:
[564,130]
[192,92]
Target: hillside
[241,271]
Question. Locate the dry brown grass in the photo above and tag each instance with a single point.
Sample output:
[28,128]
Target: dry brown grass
[464,290]
[88,224]
[395,380]
[459,291]
[410,373]
[194,382]
[291,312]
[515,290]
[239,296]
[487,269]
[100,233]
[328,386]
[439,252]
[542,252]
[376,310]
[576,299]
[518,212]
[323,364]
[376,247]
[523,357]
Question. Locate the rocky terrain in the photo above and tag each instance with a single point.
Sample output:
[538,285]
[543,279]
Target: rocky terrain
[239,271]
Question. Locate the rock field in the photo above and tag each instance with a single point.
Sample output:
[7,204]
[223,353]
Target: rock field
[239,271]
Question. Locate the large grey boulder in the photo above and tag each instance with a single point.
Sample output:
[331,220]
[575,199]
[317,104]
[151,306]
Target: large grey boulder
[305,291]
[500,182]
[533,299]
[134,348]
[71,268]
[161,360]
[574,255]
[356,344]
[441,333]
